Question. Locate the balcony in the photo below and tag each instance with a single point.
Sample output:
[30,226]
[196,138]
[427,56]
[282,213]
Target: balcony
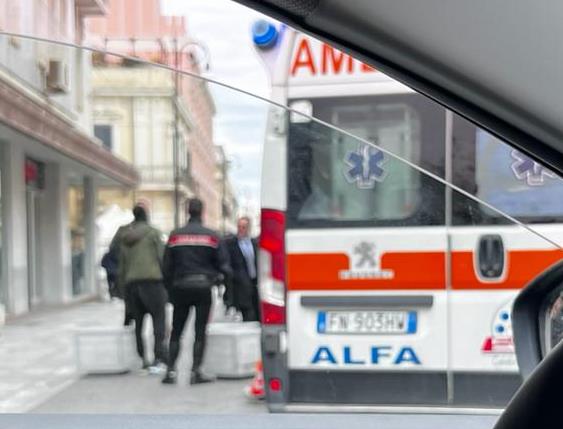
[163,175]
[92,7]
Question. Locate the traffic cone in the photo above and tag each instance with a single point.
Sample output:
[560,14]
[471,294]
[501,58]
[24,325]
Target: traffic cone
[255,390]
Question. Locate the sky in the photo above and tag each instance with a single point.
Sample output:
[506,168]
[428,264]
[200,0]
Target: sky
[224,27]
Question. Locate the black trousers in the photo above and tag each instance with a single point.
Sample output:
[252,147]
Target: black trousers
[251,313]
[149,297]
[184,298]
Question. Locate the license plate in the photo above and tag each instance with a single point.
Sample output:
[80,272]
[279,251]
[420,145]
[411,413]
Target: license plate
[366,322]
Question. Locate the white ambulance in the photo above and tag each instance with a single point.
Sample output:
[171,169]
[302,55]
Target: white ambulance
[378,283]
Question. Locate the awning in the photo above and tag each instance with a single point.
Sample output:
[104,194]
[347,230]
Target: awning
[34,117]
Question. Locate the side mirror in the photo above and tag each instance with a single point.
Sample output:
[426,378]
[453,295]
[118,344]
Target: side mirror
[537,324]
[537,318]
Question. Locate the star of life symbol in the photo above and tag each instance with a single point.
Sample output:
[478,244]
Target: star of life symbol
[526,169]
[365,265]
[366,166]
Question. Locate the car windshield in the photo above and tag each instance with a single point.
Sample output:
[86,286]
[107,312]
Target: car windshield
[203,220]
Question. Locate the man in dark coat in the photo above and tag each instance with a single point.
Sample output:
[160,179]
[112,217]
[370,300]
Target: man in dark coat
[242,291]
[193,260]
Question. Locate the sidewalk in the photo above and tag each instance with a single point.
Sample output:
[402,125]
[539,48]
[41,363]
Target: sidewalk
[37,352]
[38,372]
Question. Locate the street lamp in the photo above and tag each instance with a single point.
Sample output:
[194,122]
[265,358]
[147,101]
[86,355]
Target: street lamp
[226,163]
[178,50]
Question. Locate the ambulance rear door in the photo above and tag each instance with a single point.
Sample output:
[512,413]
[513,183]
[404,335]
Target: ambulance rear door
[366,251]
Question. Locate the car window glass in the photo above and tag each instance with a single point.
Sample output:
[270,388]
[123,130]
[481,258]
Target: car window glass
[370,190]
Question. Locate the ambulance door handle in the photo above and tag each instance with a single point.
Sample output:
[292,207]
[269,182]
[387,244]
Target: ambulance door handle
[490,256]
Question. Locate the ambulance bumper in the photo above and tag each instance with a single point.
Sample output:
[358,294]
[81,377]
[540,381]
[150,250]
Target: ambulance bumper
[374,390]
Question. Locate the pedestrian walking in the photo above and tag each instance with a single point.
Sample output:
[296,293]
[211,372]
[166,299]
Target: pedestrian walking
[193,260]
[140,274]
[242,291]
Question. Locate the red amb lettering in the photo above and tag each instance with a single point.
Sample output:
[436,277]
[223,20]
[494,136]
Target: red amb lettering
[303,58]
[332,60]
[336,59]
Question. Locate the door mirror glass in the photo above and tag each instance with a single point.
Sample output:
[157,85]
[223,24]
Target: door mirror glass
[552,325]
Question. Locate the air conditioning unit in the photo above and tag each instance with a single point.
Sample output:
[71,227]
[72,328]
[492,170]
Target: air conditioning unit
[58,76]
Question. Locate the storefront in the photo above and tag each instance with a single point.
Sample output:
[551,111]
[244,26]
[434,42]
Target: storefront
[49,173]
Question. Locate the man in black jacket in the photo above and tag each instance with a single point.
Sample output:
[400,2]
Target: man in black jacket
[194,258]
[242,292]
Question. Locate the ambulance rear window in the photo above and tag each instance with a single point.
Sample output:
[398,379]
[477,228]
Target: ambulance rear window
[503,177]
[514,183]
[337,179]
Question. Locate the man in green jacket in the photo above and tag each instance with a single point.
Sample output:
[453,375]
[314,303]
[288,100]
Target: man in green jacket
[110,262]
[140,273]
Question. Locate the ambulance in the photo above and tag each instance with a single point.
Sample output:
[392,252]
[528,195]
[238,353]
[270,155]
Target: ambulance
[379,284]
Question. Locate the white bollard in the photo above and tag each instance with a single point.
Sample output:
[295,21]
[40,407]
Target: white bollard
[105,350]
[232,349]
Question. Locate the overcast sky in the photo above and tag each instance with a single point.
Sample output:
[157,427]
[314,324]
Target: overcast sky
[224,26]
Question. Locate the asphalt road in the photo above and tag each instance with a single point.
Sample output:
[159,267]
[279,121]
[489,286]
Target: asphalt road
[144,394]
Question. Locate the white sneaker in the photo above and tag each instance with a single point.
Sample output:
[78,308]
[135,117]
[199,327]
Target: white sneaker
[157,369]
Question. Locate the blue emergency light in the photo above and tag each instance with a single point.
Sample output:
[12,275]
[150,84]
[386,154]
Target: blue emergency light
[264,34]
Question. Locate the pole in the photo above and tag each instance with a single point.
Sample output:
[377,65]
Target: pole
[175,154]
[224,196]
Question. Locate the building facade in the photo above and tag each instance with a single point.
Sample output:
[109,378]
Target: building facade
[169,125]
[135,116]
[50,161]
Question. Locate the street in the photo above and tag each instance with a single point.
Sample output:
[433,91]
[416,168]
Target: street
[38,372]
[134,393]
[39,376]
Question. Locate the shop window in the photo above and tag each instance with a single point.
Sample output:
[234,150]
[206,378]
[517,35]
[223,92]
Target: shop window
[77,237]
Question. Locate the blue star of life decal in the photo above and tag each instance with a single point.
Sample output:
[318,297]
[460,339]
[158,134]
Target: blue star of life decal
[366,166]
[525,168]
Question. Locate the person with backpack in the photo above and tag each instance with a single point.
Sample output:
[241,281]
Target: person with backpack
[140,276]
[110,262]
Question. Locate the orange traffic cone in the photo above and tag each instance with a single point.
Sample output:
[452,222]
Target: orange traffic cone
[255,390]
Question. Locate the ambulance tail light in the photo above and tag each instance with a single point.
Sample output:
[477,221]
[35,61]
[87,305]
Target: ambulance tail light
[272,267]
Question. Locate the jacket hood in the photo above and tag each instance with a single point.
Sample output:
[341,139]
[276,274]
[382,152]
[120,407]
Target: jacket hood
[135,233]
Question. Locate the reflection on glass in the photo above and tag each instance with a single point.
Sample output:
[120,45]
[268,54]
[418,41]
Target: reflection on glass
[517,183]
[77,236]
[500,175]
[554,323]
